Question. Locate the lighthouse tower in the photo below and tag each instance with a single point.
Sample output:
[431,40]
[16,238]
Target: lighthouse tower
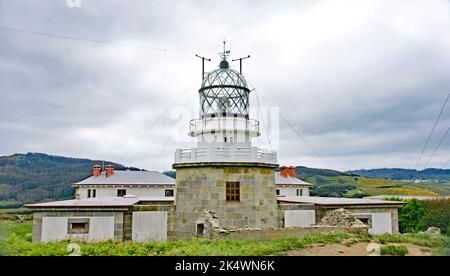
[224,173]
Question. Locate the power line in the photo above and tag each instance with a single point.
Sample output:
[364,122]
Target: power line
[68,37]
[150,127]
[293,129]
[437,147]
[300,136]
[432,131]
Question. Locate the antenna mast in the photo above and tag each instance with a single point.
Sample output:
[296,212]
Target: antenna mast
[240,62]
[203,65]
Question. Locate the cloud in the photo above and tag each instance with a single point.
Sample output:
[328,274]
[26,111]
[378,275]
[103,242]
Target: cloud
[363,81]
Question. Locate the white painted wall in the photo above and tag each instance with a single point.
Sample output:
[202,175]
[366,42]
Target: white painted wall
[149,226]
[112,191]
[55,229]
[299,218]
[381,223]
[287,191]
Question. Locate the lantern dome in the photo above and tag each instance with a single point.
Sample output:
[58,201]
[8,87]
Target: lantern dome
[224,90]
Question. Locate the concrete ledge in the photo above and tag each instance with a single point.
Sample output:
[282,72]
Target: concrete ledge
[224,164]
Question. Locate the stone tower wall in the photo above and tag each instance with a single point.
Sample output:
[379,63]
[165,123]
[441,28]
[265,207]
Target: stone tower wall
[202,188]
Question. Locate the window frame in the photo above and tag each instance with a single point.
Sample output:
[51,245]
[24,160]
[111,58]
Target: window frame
[76,230]
[169,190]
[233,191]
[120,190]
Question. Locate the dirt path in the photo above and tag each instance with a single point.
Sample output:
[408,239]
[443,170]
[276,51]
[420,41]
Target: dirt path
[357,249]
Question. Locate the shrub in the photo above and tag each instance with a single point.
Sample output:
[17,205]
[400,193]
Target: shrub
[410,215]
[436,214]
[394,250]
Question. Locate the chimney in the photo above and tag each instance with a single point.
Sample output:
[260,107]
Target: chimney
[109,170]
[284,171]
[97,170]
[291,171]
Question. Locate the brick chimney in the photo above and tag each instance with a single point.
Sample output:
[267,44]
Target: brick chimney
[109,170]
[284,171]
[97,170]
[291,171]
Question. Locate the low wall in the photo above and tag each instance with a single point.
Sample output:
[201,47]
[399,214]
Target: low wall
[272,234]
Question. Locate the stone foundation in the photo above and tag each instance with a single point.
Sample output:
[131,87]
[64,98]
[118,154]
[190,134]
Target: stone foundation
[202,187]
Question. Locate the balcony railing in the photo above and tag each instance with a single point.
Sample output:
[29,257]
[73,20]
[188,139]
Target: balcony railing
[225,154]
[223,123]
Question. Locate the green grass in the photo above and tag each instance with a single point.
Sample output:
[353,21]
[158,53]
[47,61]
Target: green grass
[8,228]
[15,239]
[20,245]
[394,250]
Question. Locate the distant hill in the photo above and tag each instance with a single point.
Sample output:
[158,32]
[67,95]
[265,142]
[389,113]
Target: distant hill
[35,177]
[405,174]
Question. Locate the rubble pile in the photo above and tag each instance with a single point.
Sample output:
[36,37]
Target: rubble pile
[341,218]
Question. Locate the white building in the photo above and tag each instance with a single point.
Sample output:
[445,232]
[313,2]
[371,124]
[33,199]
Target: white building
[289,185]
[113,183]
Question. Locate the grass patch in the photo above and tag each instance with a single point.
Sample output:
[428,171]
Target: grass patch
[393,250]
[19,245]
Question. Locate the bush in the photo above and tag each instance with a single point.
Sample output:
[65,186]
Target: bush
[393,250]
[410,215]
[436,214]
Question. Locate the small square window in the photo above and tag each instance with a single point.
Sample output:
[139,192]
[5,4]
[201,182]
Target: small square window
[78,226]
[278,191]
[169,193]
[121,192]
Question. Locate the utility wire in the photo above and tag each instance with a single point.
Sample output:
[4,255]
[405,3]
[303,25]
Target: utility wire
[61,36]
[432,131]
[300,136]
[151,126]
[437,147]
[293,129]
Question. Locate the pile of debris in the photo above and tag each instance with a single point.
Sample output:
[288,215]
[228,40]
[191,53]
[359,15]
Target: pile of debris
[211,225]
[341,218]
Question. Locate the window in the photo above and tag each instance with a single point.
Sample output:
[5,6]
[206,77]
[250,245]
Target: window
[231,139]
[232,192]
[225,139]
[278,192]
[94,193]
[78,226]
[121,192]
[169,192]
[89,193]
[299,192]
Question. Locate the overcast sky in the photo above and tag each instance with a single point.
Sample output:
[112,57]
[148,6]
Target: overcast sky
[362,81]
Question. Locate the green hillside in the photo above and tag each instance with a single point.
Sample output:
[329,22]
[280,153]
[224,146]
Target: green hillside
[350,184]
[35,177]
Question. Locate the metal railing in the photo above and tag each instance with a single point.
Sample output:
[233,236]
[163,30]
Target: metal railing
[223,123]
[225,154]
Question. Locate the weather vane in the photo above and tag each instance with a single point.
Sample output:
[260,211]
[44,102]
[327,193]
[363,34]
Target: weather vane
[225,52]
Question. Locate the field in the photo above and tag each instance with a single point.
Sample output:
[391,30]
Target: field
[15,239]
[355,186]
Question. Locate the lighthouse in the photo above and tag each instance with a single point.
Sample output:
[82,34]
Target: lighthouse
[224,173]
